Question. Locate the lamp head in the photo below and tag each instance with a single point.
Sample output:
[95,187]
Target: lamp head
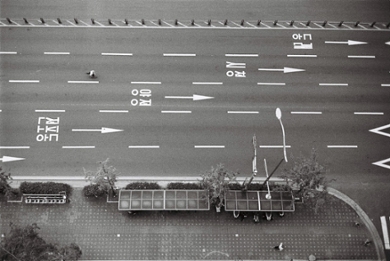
[278,113]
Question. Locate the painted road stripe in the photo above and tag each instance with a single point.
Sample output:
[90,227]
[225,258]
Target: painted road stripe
[14,147]
[49,110]
[342,146]
[78,147]
[385,84]
[241,55]
[176,111]
[243,112]
[209,146]
[368,113]
[207,83]
[145,82]
[302,55]
[306,112]
[385,232]
[271,83]
[144,147]
[114,111]
[274,146]
[362,56]
[118,54]
[179,54]
[8,52]
[56,52]
[83,81]
[333,84]
[24,81]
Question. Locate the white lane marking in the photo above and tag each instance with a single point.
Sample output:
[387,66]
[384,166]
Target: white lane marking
[241,55]
[382,163]
[207,83]
[8,52]
[385,84]
[24,81]
[118,54]
[302,55]
[385,232]
[333,84]
[176,111]
[14,147]
[274,146]
[179,54]
[114,111]
[83,81]
[342,146]
[209,146]
[1,110]
[145,82]
[56,52]
[49,110]
[379,130]
[306,112]
[271,83]
[362,56]
[243,112]
[144,147]
[368,113]
[78,147]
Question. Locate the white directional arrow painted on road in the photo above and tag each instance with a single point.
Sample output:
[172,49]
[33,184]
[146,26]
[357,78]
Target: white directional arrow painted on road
[382,164]
[349,42]
[102,130]
[284,70]
[194,97]
[8,159]
[380,132]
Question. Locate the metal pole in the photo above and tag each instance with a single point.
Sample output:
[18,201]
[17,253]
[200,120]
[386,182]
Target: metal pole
[273,172]
[254,164]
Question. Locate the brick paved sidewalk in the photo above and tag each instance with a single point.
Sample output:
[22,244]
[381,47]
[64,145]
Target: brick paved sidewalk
[104,233]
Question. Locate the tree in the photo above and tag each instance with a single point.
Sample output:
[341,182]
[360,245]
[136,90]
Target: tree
[105,176]
[71,252]
[5,181]
[308,179]
[216,181]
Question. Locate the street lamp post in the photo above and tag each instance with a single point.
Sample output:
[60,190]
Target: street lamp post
[254,164]
[279,116]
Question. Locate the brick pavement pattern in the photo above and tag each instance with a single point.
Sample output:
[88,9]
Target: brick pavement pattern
[104,233]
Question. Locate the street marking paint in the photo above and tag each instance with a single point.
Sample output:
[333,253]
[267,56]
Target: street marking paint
[49,110]
[271,83]
[207,83]
[333,84]
[274,146]
[144,147]
[385,232]
[306,112]
[368,113]
[209,146]
[145,82]
[385,84]
[8,52]
[56,52]
[302,55]
[78,147]
[382,164]
[342,146]
[176,111]
[114,111]
[118,54]
[24,81]
[241,55]
[362,56]
[179,54]
[379,130]
[14,147]
[83,81]
[243,112]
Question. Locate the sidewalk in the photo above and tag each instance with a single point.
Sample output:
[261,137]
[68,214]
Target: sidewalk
[104,233]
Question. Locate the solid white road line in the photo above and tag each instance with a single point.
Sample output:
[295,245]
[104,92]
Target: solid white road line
[144,147]
[14,147]
[179,54]
[78,147]
[243,112]
[385,84]
[114,111]
[362,56]
[385,232]
[274,146]
[118,54]
[8,52]
[176,111]
[241,55]
[24,81]
[306,112]
[145,82]
[56,52]
[271,83]
[302,55]
[209,146]
[368,113]
[342,146]
[49,110]
[207,83]
[83,81]
[333,84]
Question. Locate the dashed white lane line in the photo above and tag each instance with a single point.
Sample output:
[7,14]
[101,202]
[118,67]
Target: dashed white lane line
[209,146]
[83,81]
[176,112]
[60,53]
[385,232]
[306,112]
[179,54]
[24,81]
[274,146]
[207,83]
[8,52]
[272,83]
[361,56]
[78,147]
[342,146]
[385,84]
[242,112]
[333,84]
[145,82]
[302,55]
[14,147]
[49,110]
[241,55]
[118,54]
[114,111]
[367,113]
[144,147]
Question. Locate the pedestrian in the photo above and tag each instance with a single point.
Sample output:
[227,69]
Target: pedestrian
[279,247]
[357,224]
[367,242]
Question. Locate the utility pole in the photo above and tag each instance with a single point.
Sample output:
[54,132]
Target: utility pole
[254,164]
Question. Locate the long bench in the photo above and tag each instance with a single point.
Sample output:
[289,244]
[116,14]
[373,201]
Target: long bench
[45,198]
